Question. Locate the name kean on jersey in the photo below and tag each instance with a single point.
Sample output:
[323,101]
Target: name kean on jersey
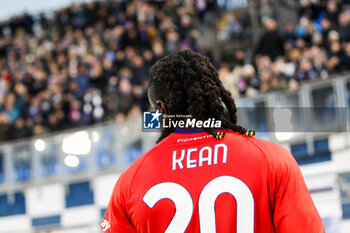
[194,157]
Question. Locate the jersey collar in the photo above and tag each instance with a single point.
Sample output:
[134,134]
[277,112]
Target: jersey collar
[191,131]
[188,131]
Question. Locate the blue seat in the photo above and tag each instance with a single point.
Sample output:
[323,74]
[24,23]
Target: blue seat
[49,168]
[103,212]
[17,207]
[321,152]
[23,172]
[299,150]
[45,221]
[79,194]
[346,210]
[322,147]
[1,168]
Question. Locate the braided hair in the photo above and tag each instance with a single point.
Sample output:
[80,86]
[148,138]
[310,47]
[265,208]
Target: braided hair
[189,85]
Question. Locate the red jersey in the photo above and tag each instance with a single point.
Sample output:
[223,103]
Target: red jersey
[191,182]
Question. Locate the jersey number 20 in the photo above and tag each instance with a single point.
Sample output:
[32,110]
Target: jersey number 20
[184,204]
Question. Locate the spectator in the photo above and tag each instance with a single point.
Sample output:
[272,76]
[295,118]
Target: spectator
[271,43]
[19,129]
[279,79]
[345,59]
[90,62]
[9,112]
[228,79]
[86,63]
[11,108]
[248,84]
[289,33]
[306,70]
[344,26]
[332,9]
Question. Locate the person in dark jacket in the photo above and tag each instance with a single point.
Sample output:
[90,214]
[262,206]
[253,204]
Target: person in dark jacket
[271,42]
[345,59]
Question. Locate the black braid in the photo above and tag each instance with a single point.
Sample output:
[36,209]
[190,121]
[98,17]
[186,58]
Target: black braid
[190,85]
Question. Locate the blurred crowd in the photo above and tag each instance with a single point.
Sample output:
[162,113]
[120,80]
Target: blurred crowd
[90,63]
[314,48]
[87,63]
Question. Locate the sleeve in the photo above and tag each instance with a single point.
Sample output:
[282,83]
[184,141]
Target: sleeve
[116,219]
[293,208]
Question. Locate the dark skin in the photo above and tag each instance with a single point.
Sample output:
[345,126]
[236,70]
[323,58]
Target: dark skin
[157,103]
[161,106]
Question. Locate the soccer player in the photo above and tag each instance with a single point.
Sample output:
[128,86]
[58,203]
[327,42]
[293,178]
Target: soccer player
[208,180]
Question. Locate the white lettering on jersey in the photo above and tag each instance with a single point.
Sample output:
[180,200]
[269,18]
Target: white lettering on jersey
[205,159]
[184,205]
[193,139]
[224,153]
[204,156]
[178,161]
[191,163]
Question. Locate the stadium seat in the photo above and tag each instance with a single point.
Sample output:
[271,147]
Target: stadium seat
[44,221]
[23,173]
[79,194]
[1,168]
[346,211]
[321,152]
[17,207]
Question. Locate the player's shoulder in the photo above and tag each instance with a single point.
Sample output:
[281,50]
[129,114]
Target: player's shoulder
[273,152]
[253,141]
[267,145]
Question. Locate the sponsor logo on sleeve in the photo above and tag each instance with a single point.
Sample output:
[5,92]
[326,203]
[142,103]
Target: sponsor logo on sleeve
[105,225]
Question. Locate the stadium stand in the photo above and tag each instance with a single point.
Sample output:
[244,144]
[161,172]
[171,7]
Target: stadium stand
[77,76]
[89,63]
[86,63]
